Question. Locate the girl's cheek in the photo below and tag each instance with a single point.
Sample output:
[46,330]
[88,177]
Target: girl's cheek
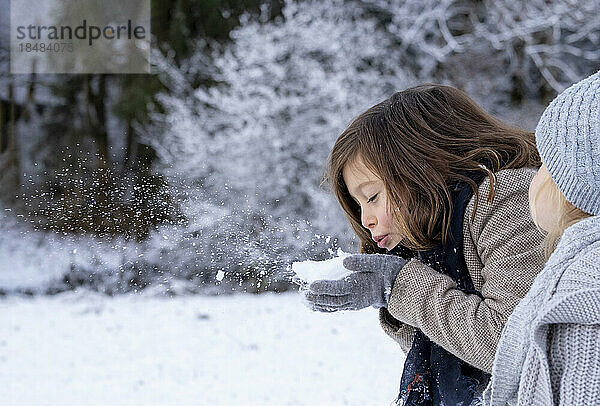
[531,193]
[533,207]
[533,187]
[545,212]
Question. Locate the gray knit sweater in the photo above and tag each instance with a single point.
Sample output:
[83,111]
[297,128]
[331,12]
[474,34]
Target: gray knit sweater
[549,351]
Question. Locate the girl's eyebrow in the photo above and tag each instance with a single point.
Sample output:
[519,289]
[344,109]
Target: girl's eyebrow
[360,186]
[366,183]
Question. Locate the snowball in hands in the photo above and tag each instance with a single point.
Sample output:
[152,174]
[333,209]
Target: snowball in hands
[369,284]
[330,269]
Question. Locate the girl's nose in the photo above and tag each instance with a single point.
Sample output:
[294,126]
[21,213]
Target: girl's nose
[368,221]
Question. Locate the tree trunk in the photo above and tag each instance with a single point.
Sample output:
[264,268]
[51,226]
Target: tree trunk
[96,116]
[10,174]
[30,101]
[12,119]
[2,122]
[100,109]
[132,149]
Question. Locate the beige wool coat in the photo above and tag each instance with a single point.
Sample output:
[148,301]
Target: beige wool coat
[503,251]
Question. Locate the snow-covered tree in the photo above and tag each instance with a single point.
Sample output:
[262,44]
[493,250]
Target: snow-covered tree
[526,46]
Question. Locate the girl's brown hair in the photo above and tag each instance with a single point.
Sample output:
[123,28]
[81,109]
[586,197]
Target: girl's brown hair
[567,214]
[420,142]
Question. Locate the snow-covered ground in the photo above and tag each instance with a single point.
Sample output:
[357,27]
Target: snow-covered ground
[87,349]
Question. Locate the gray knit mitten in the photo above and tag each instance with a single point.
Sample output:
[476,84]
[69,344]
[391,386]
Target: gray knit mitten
[369,285]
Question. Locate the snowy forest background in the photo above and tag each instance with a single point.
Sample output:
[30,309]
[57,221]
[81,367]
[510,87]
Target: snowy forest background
[206,175]
[131,206]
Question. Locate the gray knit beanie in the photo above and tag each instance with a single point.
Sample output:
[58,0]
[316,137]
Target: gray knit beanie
[568,139]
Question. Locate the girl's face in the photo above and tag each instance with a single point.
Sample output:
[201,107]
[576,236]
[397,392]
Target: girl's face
[544,214]
[370,194]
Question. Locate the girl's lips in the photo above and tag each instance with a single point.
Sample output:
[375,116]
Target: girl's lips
[382,242]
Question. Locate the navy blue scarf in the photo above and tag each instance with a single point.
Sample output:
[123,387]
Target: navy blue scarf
[432,376]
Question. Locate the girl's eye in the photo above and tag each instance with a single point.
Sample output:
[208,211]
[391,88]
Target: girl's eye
[372,198]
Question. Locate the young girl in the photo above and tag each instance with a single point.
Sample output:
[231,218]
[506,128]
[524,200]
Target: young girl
[549,353]
[431,178]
